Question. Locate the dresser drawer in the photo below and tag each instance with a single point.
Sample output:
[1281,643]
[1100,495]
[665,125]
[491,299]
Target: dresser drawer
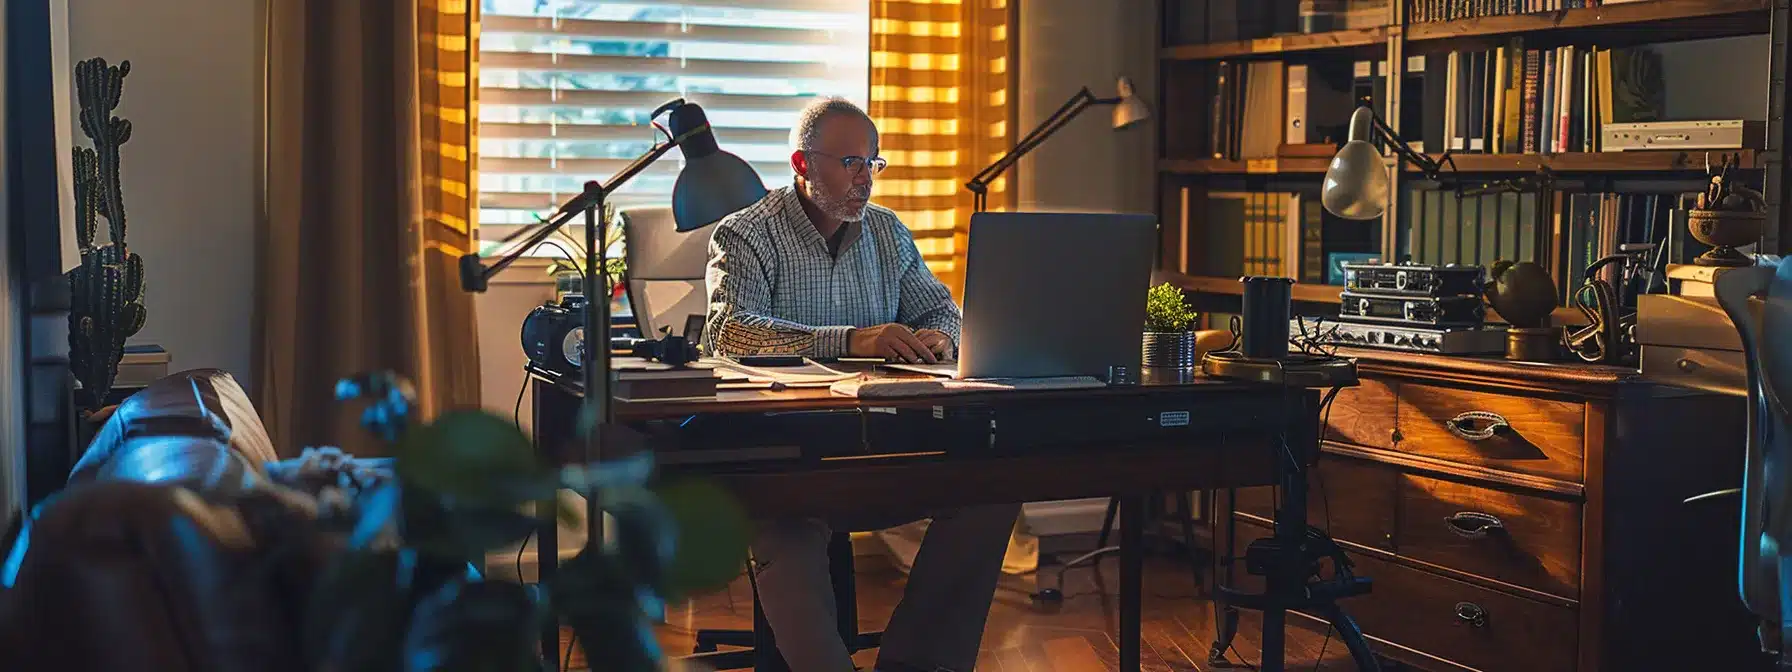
[1465,624]
[1518,539]
[1356,496]
[1443,618]
[1720,371]
[1363,415]
[1540,437]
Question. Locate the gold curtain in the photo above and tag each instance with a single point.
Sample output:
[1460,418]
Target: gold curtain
[942,83]
[942,89]
[367,180]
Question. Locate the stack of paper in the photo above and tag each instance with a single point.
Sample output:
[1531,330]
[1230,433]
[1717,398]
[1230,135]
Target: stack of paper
[809,374]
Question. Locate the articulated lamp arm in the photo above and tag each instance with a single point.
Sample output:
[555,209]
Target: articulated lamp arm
[979,185]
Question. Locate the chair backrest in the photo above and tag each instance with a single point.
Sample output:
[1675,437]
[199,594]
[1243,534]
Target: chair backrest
[1766,504]
[665,270]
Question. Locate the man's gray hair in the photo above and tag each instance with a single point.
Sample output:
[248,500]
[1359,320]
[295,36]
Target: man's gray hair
[807,131]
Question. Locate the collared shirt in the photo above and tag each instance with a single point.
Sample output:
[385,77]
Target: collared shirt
[775,288]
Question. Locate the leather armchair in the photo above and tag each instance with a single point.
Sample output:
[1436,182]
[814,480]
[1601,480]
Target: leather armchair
[174,546]
[1765,558]
[125,575]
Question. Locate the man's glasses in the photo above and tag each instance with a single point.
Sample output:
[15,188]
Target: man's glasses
[854,164]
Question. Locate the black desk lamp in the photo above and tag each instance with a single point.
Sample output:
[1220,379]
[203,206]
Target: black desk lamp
[712,185]
[1128,110]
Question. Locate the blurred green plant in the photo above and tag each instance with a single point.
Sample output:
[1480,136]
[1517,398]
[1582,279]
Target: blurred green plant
[616,263]
[1165,311]
[402,593]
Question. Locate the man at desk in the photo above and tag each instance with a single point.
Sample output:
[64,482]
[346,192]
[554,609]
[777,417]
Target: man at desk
[816,269]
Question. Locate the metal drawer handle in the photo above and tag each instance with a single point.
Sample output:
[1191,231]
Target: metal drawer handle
[1463,425]
[1473,525]
[1471,613]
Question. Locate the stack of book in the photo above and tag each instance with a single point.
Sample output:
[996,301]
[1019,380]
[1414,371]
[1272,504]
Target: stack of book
[639,379]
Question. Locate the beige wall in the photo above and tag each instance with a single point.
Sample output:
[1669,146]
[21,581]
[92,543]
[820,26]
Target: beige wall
[189,167]
[500,312]
[1066,45]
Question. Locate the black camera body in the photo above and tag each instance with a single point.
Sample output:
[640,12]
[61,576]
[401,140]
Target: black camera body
[554,335]
[553,338]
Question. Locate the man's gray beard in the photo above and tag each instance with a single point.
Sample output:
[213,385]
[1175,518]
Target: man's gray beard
[844,209]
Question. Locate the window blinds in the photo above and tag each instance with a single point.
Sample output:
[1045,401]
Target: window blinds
[566,87]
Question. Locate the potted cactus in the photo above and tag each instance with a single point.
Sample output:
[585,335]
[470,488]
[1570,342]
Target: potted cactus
[106,304]
[1169,337]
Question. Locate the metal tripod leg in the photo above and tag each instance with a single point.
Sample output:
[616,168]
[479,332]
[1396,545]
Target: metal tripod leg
[1285,561]
[1225,614]
[1352,636]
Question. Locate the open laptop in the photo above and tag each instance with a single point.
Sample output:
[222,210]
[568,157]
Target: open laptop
[1052,294]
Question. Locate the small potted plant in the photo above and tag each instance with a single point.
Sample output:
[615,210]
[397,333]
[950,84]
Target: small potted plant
[568,271]
[1169,340]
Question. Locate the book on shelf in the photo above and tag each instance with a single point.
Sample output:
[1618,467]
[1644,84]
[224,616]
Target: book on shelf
[1212,21]
[1443,227]
[1429,11]
[1515,100]
[141,364]
[1229,234]
[1592,226]
[1258,108]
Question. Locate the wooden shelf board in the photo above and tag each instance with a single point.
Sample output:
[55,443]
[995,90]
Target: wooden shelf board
[1248,166]
[1641,161]
[1282,44]
[1676,16]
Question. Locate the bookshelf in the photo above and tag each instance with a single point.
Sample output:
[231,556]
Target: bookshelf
[1415,43]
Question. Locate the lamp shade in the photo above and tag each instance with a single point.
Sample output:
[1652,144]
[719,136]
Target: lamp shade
[713,183]
[1356,183]
[1131,109]
[712,187]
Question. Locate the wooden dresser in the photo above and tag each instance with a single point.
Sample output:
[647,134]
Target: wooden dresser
[1559,543]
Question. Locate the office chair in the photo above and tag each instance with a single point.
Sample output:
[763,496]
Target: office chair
[1765,557]
[665,270]
[665,286]
[762,648]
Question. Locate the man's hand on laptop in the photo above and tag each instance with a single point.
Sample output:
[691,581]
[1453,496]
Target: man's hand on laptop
[936,341]
[894,342]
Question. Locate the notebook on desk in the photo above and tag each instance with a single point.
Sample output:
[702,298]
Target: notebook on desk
[1051,295]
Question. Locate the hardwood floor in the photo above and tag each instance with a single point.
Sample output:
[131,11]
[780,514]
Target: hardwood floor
[1077,635]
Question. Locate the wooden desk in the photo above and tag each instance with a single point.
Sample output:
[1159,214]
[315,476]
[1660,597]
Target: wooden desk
[807,452]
